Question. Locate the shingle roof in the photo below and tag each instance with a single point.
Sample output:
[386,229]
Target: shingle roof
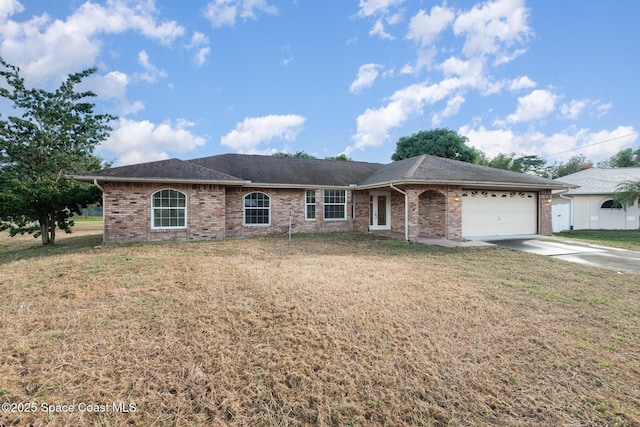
[289,170]
[239,169]
[174,170]
[600,181]
[433,169]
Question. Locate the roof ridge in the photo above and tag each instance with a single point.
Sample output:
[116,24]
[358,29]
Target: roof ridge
[418,161]
[210,169]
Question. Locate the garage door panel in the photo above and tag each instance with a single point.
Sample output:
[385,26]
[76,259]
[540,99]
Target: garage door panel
[499,213]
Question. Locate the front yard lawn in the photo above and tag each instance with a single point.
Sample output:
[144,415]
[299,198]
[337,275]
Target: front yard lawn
[339,329]
[625,239]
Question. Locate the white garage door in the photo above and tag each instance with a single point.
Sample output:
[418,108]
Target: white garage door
[499,213]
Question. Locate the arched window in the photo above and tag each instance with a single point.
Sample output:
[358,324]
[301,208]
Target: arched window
[610,204]
[257,209]
[168,209]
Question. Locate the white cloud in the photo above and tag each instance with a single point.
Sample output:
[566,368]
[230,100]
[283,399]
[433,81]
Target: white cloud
[379,30]
[47,50]
[199,43]
[113,86]
[142,141]
[523,82]
[373,7]
[424,28]
[496,141]
[574,108]
[200,58]
[367,75]
[536,105]
[560,146]
[254,131]
[493,26]
[373,125]
[602,145]
[9,7]
[222,13]
[152,73]
[452,108]
[381,10]
[603,109]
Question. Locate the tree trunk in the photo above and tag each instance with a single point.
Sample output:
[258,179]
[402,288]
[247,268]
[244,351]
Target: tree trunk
[44,229]
[52,229]
[48,229]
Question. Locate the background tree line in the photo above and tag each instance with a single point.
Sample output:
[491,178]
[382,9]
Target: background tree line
[448,143]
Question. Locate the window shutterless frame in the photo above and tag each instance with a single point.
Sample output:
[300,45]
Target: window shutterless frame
[257,209]
[168,209]
[310,205]
[335,205]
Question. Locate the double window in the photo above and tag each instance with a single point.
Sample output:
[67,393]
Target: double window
[169,209]
[257,209]
[335,204]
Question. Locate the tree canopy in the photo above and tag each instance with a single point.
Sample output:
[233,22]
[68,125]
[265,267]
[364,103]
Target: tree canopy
[575,164]
[440,142]
[342,156]
[299,154]
[628,158]
[53,136]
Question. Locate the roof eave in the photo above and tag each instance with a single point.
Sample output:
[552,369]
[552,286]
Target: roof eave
[299,186]
[92,179]
[474,184]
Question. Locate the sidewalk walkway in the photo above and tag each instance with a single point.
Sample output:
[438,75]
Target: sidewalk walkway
[433,240]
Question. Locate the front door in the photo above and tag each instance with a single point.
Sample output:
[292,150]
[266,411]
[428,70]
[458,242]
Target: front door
[380,210]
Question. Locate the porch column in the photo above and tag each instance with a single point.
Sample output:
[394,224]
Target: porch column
[413,211]
[454,213]
[545,227]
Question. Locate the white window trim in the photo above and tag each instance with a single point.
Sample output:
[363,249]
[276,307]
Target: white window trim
[186,212]
[244,211]
[334,204]
[306,204]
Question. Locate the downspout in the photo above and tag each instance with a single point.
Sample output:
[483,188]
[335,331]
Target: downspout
[95,182]
[570,199]
[406,211]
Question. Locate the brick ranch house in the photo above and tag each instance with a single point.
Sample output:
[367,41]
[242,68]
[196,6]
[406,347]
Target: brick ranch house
[235,195]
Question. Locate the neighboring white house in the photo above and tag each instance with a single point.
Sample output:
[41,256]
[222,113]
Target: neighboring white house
[591,206]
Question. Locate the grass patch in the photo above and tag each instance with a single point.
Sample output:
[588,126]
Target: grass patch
[624,239]
[339,329]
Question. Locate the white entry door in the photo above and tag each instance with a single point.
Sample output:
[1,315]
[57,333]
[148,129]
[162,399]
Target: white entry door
[380,210]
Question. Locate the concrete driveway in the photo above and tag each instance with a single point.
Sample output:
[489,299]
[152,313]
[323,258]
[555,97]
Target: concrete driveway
[621,260]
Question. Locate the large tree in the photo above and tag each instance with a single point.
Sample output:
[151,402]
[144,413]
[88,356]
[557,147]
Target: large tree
[575,164]
[623,159]
[530,164]
[437,142]
[53,135]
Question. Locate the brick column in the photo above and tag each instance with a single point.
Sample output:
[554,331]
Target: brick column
[413,222]
[544,203]
[454,213]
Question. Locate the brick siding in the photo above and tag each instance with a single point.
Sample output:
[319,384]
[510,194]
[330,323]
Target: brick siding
[127,213]
[215,212]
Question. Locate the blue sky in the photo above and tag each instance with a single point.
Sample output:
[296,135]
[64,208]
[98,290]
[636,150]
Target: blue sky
[199,78]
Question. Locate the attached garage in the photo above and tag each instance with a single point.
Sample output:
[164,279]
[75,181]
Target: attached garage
[487,213]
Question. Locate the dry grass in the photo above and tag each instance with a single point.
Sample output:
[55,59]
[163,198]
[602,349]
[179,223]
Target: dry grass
[331,330]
